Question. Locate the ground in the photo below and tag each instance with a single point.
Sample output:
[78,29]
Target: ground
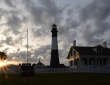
[56,79]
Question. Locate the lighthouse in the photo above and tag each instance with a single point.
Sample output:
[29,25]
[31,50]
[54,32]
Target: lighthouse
[54,48]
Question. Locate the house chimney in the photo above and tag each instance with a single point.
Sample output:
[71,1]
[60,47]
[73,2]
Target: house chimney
[74,42]
[104,44]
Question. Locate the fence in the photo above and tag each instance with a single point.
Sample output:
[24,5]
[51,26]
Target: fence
[69,70]
[56,70]
[10,70]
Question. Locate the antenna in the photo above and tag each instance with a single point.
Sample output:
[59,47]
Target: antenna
[27,45]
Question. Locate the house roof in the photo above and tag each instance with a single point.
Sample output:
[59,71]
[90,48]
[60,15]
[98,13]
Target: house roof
[39,64]
[89,50]
[85,50]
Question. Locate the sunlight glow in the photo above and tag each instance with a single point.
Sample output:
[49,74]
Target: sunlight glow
[2,64]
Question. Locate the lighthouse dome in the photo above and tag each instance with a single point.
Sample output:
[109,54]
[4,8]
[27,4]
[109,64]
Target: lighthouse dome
[54,28]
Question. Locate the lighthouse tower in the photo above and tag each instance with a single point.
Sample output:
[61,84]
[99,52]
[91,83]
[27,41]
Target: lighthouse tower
[54,48]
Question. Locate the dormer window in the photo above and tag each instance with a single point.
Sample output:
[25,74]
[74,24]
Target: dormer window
[99,49]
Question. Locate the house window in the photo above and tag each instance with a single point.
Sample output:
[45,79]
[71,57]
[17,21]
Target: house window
[99,50]
[85,61]
[104,61]
[74,52]
[71,63]
[71,52]
[76,61]
[89,62]
[99,61]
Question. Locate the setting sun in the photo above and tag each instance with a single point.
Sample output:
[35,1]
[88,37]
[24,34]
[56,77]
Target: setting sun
[1,64]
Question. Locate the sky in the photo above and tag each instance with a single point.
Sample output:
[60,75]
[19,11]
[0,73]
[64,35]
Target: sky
[86,21]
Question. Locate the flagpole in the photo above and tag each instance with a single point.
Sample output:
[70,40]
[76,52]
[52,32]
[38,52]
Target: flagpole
[27,45]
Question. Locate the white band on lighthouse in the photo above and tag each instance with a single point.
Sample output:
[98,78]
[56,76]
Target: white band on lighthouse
[54,43]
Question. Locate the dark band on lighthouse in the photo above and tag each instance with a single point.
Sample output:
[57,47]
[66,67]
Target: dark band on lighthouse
[54,48]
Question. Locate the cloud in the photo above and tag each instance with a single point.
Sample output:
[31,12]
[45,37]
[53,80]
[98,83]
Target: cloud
[8,40]
[15,23]
[97,12]
[39,32]
[47,13]
[10,3]
[43,51]
[87,24]
[3,12]
[89,36]
[14,18]
[33,56]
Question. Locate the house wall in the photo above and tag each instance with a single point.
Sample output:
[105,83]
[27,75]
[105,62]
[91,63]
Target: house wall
[89,61]
[39,68]
[94,61]
[74,58]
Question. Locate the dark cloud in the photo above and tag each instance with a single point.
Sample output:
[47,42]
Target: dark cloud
[3,12]
[51,7]
[14,17]
[47,13]
[97,12]
[40,32]
[72,23]
[89,36]
[33,56]
[21,56]
[69,12]
[14,23]
[43,51]
[6,50]
[8,40]
[101,27]
[14,54]
[10,3]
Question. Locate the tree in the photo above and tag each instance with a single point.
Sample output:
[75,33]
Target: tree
[3,56]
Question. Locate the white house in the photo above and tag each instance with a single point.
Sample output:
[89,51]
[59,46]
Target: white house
[39,65]
[85,57]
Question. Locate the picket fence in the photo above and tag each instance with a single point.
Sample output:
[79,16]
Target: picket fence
[55,70]
[69,70]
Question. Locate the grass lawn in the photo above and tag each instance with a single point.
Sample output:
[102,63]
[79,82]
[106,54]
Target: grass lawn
[56,79]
